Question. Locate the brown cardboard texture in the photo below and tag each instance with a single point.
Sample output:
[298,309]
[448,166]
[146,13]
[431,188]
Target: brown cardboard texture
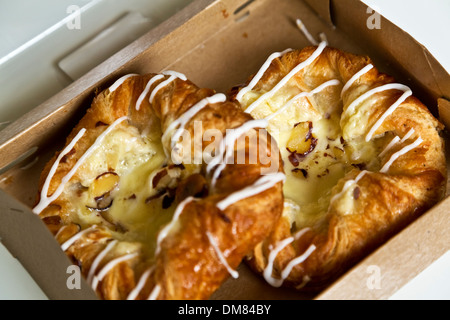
[218,44]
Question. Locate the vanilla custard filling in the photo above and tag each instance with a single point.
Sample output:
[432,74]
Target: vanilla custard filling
[310,181]
[136,159]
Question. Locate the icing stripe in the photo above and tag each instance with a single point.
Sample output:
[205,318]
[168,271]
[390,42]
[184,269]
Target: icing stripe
[155,293]
[99,259]
[187,116]
[408,135]
[140,285]
[396,140]
[390,145]
[305,31]
[147,90]
[302,95]
[391,86]
[219,253]
[305,281]
[272,256]
[403,151]
[119,82]
[226,147]
[165,231]
[292,73]
[300,233]
[388,112]
[172,76]
[109,266]
[288,269]
[355,77]
[264,183]
[60,231]
[45,201]
[66,245]
[260,74]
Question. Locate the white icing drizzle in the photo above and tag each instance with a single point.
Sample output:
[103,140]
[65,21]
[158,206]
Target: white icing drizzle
[181,122]
[220,255]
[305,31]
[109,266]
[173,75]
[287,270]
[99,259]
[141,283]
[155,293]
[403,151]
[292,73]
[45,201]
[165,231]
[355,77]
[390,145]
[147,90]
[348,184]
[60,231]
[262,184]
[305,281]
[272,256]
[66,245]
[119,82]
[396,140]
[408,135]
[388,164]
[300,233]
[302,95]
[260,74]
[226,147]
[387,113]
[397,86]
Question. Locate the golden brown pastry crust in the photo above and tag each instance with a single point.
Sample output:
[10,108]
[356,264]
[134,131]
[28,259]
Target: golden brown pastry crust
[187,266]
[385,202]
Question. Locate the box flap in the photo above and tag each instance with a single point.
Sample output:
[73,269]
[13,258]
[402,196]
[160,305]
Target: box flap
[28,240]
[234,45]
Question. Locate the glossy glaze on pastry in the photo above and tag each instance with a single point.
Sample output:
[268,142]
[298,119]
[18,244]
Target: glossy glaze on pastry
[141,226]
[362,157]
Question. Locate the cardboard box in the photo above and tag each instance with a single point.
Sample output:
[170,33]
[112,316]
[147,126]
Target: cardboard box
[218,44]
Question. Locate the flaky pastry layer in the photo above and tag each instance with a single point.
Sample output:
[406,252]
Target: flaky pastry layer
[363,158]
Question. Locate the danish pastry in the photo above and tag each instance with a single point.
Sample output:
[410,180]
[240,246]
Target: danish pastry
[138,212]
[362,156]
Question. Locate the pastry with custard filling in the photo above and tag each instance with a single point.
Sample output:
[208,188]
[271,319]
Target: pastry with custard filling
[363,157]
[132,206]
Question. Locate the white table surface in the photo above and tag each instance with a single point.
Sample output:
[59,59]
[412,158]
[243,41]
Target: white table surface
[426,21]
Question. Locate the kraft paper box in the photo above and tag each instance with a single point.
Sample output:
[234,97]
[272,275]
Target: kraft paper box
[218,44]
